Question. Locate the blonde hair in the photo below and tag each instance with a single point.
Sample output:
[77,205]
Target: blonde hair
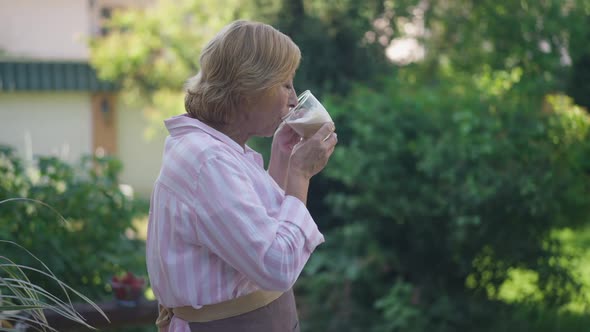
[244,61]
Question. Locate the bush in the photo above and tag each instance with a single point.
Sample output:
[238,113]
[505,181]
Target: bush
[92,245]
[447,188]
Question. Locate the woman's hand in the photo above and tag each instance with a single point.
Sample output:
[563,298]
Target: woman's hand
[310,156]
[284,140]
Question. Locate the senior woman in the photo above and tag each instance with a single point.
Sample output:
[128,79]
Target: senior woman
[227,239]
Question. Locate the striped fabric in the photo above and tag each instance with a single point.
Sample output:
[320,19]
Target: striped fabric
[219,225]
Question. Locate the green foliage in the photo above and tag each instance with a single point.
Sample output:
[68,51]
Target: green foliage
[455,178]
[151,53]
[531,318]
[331,36]
[452,186]
[542,37]
[92,246]
[158,48]
[24,301]
[398,311]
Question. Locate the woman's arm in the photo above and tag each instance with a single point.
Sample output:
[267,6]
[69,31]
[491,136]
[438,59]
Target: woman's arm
[278,165]
[233,221]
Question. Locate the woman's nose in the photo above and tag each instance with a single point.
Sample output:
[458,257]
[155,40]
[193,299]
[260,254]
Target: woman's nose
[292,99]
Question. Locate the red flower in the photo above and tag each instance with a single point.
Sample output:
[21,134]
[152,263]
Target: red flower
[128,287]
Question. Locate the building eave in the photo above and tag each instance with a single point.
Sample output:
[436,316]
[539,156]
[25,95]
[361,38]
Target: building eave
[34,75]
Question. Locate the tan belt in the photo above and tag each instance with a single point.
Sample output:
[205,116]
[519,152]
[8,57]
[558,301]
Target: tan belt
[221,310]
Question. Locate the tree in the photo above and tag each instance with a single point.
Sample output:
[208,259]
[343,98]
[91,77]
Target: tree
[447,189]
[152,52]
[331,35]
[541,38]
[449,175]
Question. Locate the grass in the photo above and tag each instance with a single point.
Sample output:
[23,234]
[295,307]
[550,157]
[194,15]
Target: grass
[22,300]
[25,301]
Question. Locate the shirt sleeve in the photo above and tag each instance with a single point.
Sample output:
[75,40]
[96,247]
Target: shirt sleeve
[234,223]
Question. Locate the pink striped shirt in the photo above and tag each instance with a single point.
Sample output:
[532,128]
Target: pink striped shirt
[219,225]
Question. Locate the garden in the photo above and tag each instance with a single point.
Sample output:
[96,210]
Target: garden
[457,198]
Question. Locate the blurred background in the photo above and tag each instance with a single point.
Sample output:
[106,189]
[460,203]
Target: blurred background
[458,198]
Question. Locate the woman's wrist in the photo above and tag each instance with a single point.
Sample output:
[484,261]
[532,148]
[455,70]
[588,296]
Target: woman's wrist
[298,173]
[297,184]
[278,165]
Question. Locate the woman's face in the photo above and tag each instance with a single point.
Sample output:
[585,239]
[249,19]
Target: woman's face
[266,115]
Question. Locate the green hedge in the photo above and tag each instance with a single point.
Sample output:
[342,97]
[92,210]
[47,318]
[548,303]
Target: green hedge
[91,245]
[447,188]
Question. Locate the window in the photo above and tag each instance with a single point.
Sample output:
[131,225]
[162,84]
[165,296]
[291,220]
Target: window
[104,17]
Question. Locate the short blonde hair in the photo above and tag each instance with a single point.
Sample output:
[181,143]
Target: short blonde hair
[245,60]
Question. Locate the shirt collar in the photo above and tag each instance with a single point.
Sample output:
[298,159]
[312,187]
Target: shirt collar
[177,125]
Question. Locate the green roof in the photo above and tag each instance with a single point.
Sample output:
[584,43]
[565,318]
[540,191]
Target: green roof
[50,76]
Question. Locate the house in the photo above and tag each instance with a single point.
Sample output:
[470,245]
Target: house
[51,101]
